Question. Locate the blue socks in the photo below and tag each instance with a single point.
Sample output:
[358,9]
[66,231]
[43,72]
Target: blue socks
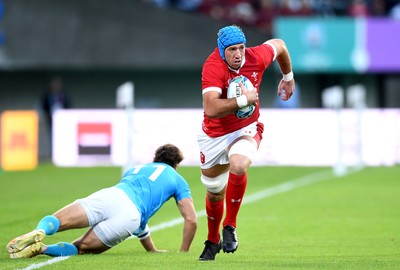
[49,224]
[61,249]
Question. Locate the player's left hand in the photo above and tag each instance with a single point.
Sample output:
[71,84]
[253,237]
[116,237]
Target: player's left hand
[286,89]
[251,94]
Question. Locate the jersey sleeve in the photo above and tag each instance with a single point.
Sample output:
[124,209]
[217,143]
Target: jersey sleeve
[182,189]
[266,53]
[128,172]
[144,233]
[211,77]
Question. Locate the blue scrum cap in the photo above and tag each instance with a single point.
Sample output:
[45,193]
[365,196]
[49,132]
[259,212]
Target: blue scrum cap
[228,36]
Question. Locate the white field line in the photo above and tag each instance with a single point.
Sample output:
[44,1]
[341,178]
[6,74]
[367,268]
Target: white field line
[51,261]
[265,193]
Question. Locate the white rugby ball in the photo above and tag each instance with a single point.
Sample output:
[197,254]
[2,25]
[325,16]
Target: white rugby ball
[235,91]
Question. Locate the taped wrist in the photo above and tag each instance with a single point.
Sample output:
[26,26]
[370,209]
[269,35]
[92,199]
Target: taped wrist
[288,77]
[242,101]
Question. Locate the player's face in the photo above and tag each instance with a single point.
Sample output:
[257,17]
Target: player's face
[234,55]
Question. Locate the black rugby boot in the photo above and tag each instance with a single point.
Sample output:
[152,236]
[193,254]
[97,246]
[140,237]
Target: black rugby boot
[229,239]
[210,250]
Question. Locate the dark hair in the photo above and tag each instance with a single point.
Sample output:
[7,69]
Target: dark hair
[169,154]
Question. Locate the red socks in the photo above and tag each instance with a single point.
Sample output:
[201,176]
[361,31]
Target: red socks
[234,195]
[215,211]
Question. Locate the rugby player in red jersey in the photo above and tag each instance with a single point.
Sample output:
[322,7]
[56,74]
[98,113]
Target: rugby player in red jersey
[228,143]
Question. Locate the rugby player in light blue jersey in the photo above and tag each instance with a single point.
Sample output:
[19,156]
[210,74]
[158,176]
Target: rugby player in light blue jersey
[116,213]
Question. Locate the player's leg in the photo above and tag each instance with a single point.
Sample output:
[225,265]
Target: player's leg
[113,217]
[88,243]
[214,168]
[71,216]
[215,201]
[240,155]
[214,208]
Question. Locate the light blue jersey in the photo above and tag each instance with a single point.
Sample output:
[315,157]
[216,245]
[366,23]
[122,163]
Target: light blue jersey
[149,186]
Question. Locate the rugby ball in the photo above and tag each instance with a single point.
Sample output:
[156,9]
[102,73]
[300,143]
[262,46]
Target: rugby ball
[235,91]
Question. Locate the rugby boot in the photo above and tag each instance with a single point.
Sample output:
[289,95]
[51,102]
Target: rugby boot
[29,251]
[21,242]
[210,250]
[229,239]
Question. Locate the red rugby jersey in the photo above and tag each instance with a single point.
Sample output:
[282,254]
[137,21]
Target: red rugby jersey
[216,76]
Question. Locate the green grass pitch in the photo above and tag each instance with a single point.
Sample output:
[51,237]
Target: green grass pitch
[291,218]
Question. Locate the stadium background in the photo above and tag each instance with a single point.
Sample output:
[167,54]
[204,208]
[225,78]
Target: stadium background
[97,45]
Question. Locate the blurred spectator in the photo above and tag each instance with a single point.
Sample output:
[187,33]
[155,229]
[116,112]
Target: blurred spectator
[261,13]
[266,13]
[295,8]
[214,8]
[358,8]
[378,8]
[233,11]
[188,5]
[324,8]
[243,12]
[185,5]
[53,99]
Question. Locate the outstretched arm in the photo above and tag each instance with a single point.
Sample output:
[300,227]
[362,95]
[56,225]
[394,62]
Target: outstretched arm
[188,213]
[149,245]
[147,242]
[283,58]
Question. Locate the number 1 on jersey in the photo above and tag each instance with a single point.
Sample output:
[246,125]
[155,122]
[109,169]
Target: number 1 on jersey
[153,177]
[157,172]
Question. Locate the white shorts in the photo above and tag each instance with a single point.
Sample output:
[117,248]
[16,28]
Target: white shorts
[113,216]
[214,151]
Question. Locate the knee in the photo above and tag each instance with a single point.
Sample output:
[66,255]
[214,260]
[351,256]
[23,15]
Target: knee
[80,246]
[241,155]
[239,165]
[215,185]
[216,197]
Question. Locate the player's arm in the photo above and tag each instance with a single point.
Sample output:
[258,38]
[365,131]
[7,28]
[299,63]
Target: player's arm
[283,58]
[216,107]
[147,242]
[188,213]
